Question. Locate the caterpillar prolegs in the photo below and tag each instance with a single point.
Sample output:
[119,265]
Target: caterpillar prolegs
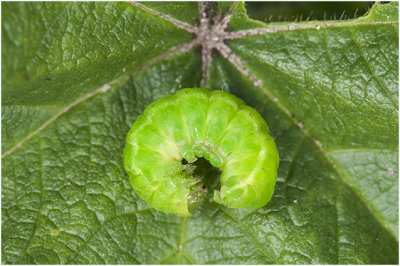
[196,123]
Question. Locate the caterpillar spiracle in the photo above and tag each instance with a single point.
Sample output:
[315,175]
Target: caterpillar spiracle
[196,123]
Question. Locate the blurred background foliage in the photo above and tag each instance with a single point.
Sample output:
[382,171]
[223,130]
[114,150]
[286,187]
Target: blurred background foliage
[302,11]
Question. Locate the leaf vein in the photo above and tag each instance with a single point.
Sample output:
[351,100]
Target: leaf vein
[357,44]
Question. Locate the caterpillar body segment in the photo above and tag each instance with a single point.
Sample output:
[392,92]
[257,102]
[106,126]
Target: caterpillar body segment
[249,175]
[197,123]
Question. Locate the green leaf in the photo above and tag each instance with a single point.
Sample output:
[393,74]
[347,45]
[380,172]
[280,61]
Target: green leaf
[295,11]
[77,74]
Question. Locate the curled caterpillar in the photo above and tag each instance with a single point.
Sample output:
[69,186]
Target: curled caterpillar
[196,123]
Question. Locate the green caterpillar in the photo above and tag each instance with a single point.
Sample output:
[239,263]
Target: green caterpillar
[196,123]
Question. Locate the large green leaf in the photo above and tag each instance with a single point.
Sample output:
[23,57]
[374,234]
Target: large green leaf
[76,75]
